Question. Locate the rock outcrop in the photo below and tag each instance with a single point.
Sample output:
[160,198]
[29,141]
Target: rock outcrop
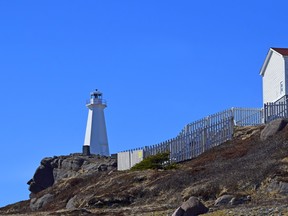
[231,200]
[223,200]
[53,169]
[272,128]
[192,207]
[43,177]
[38,203]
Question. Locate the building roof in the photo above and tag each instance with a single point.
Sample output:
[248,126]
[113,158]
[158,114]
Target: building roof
[281,51]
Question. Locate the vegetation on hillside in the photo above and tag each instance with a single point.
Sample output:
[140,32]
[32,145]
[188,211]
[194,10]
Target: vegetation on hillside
[158,161]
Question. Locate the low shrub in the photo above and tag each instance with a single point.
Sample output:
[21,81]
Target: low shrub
[158,161]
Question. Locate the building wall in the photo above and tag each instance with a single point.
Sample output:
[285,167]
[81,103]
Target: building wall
[273,78]
[286,75]
[127,159]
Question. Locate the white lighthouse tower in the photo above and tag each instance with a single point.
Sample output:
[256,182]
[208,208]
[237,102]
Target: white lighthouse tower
[96,135]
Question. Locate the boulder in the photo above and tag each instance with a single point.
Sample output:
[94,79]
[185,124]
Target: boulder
[231,200]
[223,200]
[272,128]
[239,200]
[68,168]
[38,203]
[46,161]
[42,179]
[73,163]
[34,187]
[71,204]
[178,212]
[192,207]
[102,167]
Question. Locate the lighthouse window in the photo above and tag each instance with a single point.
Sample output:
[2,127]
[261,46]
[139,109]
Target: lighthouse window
[281,87]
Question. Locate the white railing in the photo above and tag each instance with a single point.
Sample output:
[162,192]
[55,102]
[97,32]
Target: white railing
[248,117]
[204,134]
[196,137]
[275,110]
[96,101]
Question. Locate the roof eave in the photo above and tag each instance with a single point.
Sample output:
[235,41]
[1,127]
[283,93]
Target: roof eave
[280,51]
[264,66]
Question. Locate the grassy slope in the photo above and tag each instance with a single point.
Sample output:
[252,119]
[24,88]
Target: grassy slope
[239,167]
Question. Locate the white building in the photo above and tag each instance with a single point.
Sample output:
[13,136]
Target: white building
[96,140]
[274,74]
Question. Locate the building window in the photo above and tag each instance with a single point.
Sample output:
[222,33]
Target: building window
[281,87]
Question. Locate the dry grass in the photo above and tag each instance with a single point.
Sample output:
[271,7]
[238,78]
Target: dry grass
[236,167]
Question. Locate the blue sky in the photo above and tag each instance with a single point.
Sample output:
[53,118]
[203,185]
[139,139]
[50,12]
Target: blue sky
[160,65]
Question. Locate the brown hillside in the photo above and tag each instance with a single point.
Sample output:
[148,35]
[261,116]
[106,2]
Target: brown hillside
[245,166]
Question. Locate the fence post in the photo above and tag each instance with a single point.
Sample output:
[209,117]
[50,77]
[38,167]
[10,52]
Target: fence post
[231,128]
[204,135]
[265,114]
[233,113]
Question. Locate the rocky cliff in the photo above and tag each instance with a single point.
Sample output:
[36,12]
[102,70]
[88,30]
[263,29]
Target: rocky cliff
[53,169]
[245,176]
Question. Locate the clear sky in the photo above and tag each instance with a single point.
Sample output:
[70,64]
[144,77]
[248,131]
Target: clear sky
[160,65]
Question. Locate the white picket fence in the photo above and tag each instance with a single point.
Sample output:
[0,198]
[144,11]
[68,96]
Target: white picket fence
[275,110]
[199,136]
[248,116]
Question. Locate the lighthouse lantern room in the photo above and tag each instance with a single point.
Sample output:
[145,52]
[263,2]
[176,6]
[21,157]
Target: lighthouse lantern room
[96,141]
